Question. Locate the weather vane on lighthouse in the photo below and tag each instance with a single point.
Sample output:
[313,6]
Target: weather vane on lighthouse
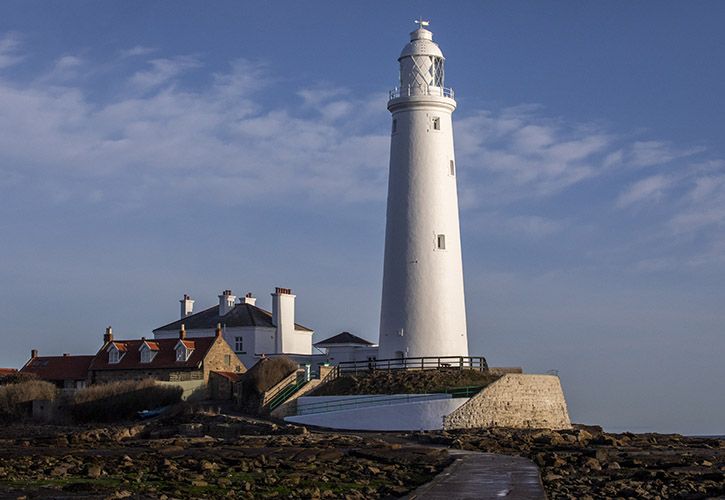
[420,22]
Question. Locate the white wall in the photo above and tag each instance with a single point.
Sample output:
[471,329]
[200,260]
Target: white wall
[351,353]
[419,415]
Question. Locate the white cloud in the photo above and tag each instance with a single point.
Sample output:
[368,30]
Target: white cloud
[138,50]
[649,153]
[10,50]
[648,189]
[162,71]
[217,142]
[528,155]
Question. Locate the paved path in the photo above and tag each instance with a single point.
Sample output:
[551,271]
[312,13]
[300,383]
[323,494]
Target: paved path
[484,476]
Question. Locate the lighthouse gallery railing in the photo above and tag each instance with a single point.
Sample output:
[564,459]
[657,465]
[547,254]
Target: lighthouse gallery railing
[414,90]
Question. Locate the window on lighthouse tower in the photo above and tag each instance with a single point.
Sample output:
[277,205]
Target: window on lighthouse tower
[441,241]
[436,123]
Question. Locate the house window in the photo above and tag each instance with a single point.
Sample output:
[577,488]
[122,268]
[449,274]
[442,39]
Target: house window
[441,241]
[239,344]
[113,356]
[453,167]
[395,125]
[182,353]
[436,123]
[147,355]
[227,359]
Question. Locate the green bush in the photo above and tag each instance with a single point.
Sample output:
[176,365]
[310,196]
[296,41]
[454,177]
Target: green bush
[264,375]
[15,399]
[121,400]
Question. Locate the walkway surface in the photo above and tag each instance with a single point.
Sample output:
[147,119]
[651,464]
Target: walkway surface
[484,476]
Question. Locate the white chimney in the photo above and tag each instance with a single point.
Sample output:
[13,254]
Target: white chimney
[187,306]
[226,302]
[283,317]
[249,299]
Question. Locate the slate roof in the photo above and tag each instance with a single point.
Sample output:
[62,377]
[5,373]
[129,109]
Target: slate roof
[165,356]
[343,338]
[58,368]
[240,315]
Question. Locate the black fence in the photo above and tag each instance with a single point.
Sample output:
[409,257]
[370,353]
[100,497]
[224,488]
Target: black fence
[424,363]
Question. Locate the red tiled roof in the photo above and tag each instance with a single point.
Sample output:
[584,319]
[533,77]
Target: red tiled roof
[120,346]
[58,367]
[154,346]
[230,376]
[189,344]
[7,371]
[165,356]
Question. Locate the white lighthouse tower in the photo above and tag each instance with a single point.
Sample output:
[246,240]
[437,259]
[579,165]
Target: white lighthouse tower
[423,309]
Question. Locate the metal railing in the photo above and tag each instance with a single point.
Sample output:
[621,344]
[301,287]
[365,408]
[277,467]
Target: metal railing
[423,363]
[285,393]
[421,90]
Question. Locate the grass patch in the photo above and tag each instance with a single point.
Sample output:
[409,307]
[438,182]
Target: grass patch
[121,400]
[16,398]
[405,382]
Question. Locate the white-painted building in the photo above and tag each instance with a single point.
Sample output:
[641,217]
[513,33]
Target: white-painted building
[251,331]
[345,347]
[423,310]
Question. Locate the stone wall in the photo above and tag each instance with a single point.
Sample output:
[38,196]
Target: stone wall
[514,400]
[222,358]
[163,374]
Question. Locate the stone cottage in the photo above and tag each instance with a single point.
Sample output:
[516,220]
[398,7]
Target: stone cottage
[66,371]
[170,359]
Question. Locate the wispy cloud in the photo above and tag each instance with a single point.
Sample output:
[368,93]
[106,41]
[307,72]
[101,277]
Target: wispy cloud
[527,154]
[648,189]
[10,50]
[138,50]
[163,71]
[225,141]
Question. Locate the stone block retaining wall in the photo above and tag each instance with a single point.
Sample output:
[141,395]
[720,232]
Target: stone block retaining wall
[514,400]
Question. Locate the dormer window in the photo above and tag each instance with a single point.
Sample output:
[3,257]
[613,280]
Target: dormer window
[183,352]
[147,353]
[115,353]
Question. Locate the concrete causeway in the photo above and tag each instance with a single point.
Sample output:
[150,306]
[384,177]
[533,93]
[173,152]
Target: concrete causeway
[484,476]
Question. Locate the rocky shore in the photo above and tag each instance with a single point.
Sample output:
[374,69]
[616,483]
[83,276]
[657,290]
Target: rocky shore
[202,455]
[587,463]
[206,456]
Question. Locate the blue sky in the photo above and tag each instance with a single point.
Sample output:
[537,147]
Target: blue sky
[149,149]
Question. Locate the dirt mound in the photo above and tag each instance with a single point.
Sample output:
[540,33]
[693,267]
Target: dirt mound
[405,382]
[264,375]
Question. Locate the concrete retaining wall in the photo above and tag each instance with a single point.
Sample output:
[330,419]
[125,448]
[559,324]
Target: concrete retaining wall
[194,390]
[417,415]
[515,400]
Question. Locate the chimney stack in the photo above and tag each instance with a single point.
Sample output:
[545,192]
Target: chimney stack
[226,302]
[182,332]
[33,354]
[283,317]
[187,306]
[108,336]
[218,331]
[249,299]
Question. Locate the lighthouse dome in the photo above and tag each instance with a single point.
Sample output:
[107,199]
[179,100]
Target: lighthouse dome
[421,44]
